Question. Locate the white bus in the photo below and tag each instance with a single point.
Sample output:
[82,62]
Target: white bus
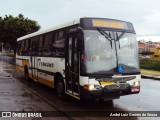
[87,58]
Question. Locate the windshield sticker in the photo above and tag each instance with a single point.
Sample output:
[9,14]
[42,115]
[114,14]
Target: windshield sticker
[120,68]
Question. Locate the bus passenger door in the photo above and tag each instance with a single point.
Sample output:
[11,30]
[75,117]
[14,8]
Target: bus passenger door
[34,61]
[72,66]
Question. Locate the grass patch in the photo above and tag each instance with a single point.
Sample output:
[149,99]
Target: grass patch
[150,64]
[150,72]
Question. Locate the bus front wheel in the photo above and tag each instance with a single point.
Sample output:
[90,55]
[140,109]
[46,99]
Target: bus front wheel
[60,89]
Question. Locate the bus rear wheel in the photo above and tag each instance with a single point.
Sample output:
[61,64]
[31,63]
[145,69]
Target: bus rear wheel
[60,88]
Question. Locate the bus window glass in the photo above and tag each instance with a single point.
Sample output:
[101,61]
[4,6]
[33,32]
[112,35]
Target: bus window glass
[30,47]
[40,48]
[128,45]
[26,47]
[34,46]
[100,52]
[47,44]
[18,48]
[70,51]
[76,56]
[22,48]
[58,44]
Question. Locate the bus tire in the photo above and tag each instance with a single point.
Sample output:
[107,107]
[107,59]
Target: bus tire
[60,88]
[26,74]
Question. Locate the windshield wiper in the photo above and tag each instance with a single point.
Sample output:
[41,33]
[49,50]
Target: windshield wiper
[107,36]
[119,37]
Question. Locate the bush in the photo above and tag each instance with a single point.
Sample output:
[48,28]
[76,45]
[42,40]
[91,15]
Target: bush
[150,64]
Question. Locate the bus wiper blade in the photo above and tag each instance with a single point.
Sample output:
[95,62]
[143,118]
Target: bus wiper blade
[105,35]
[119,37]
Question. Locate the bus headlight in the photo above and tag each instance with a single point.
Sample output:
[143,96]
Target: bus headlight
[91,87]
[137,83]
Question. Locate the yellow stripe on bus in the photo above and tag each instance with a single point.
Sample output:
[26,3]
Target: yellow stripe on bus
[25,62]
[107,83]
[19,69]
[46,82]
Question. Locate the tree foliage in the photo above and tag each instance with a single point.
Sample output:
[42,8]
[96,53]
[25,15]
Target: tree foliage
[12,28]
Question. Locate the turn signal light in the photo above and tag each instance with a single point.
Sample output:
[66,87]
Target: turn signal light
[92,87]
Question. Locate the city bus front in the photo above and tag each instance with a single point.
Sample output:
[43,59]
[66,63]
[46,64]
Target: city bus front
[109,59]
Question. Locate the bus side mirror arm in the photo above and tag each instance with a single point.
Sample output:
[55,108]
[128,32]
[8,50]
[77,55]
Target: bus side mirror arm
[80,29]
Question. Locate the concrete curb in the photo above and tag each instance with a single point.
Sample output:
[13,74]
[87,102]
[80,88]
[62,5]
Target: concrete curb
[150,77]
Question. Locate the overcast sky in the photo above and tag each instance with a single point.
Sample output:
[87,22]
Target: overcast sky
[144,14]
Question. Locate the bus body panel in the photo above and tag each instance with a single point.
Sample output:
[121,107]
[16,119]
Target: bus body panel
[67,56]
[46,68]
[110,90]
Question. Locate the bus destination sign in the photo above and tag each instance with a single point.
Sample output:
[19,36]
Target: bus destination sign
[106,23]
[110,24]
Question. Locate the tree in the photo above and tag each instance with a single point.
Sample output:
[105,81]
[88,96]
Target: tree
[12,28]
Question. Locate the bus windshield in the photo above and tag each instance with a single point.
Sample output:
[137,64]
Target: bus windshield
[104,54]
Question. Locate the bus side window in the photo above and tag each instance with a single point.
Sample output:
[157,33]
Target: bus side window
[58,44]
[29,44]
[22,48]
[30,47]
[40,45]
[18,48]
[26,47]
[47,44]
[35,46]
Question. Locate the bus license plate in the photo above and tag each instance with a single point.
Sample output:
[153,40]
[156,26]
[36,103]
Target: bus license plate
[134,89]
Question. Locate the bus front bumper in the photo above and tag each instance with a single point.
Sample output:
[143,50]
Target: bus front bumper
[108,94]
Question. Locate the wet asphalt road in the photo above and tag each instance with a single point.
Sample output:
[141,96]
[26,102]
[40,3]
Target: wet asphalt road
[146,100]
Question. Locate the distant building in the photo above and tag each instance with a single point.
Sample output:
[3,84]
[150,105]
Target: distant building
[142,47]
[147,46]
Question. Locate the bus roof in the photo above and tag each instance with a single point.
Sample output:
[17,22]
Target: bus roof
[75,21]
[86,22]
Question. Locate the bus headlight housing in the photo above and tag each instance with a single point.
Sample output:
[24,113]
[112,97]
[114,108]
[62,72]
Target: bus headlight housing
[137,83]
[92,87]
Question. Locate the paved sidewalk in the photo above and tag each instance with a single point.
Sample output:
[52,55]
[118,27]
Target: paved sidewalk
[14,96]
